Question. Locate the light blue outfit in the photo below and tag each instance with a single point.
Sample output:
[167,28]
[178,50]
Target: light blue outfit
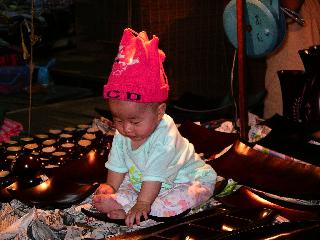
[167,157]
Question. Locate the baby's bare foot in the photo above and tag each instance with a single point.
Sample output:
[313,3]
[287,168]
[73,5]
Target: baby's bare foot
[105,203]
[117,214]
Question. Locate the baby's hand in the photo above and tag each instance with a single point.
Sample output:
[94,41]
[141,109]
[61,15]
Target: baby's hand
[135,213]
[104,189]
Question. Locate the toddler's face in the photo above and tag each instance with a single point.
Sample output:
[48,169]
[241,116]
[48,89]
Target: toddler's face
[136,120]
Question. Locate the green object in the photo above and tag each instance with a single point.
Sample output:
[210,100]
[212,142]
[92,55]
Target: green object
[231,187]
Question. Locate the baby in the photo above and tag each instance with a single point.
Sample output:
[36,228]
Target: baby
[152,169]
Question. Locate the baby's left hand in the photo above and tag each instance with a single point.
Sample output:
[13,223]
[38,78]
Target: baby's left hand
[136,212]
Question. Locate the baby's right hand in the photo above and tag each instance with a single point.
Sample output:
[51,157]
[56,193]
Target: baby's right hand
[104,189]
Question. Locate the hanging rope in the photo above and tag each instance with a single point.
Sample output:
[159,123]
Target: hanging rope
[31,66]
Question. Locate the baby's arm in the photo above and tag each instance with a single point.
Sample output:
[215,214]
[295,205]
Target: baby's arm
[148,193]
[101,196]
[113,183]
[115,179]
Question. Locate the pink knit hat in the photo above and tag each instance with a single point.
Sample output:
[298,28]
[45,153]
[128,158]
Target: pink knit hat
[137,73]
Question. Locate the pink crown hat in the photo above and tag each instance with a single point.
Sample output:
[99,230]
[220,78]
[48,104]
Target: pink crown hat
[137,73]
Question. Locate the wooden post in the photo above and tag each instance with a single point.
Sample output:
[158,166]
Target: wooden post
[242,98]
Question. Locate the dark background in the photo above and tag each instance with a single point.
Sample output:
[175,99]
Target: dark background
[83,37]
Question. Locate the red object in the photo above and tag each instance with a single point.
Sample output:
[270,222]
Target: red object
[9,129]
[137,73]
[243,110]
[8,60]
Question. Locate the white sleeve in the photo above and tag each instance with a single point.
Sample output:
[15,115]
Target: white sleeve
[116,161]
